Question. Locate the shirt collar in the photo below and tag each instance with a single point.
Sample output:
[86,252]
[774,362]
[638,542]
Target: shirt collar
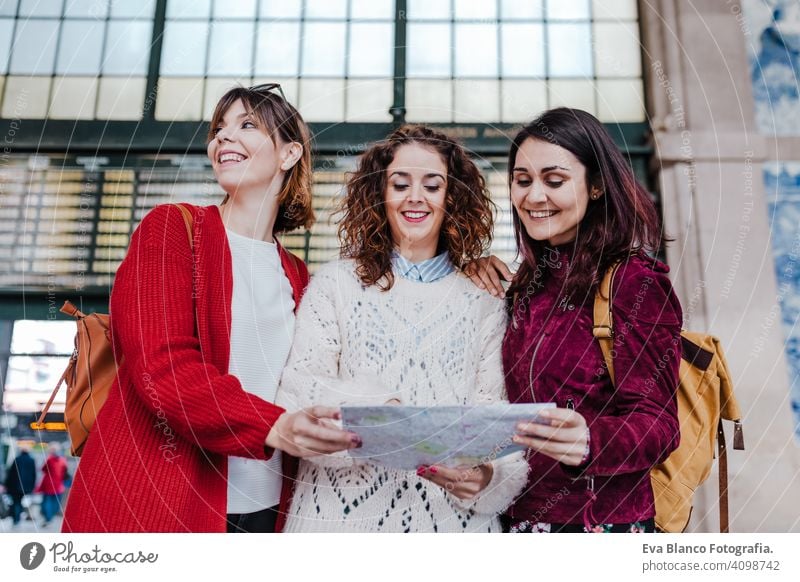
[427,271]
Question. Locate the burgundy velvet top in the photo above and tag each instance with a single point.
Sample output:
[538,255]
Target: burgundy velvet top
[550,355]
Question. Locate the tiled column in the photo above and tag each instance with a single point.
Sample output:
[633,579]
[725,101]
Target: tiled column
[709,161]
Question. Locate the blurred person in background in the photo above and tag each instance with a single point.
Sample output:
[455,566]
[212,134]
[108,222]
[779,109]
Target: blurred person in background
[20,480]
[52,485]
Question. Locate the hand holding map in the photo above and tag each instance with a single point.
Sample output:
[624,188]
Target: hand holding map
[406,437]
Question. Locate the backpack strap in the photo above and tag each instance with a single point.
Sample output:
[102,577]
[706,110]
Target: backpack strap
[188,220]
[722,456]
[603,328]
[69,309]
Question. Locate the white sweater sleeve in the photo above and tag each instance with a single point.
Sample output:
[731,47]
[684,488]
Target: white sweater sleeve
[311,376]
[511,471]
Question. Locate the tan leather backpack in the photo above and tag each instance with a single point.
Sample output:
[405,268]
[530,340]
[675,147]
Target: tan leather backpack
[92,368]
[705,397]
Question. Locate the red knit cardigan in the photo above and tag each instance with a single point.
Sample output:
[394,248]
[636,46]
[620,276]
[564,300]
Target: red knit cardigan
[156,460]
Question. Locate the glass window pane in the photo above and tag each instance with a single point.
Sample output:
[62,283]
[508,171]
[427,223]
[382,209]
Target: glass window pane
[428,9]
[475,9]
[369,101]
[216,88]
[617,49]
[73,98]
[523,50]
[86,9]
[40,7]
[184,49]
[372,9]
[231,52]
[42,337]
[278,49]
[429,50]
[141,9]
[121,98]
[323,49]
[572,10]
[80,47]
[578,94]
[128,47]
[188,8]
[614,10]
[6,27]
[477,101]
[26,97]
[326,8]
[429,100]
[522,9]
[179,99]
[620,101]
[34,48]
[569,51]
[281,8]
[8,7]
[522,101]
[476,50]
[371,50]
[237,9]
[31,379]
[322,99]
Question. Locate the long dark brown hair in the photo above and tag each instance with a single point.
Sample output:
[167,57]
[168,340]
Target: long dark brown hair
[621,222]
[364,228]
[279,118]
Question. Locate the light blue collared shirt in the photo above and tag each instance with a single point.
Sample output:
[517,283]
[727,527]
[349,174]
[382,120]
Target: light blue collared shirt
[427,271]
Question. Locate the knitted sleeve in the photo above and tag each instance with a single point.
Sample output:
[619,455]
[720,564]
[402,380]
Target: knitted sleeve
[153,327]
[511,471]
[312,373]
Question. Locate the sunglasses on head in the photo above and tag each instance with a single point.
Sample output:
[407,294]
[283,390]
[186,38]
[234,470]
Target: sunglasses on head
[266,88]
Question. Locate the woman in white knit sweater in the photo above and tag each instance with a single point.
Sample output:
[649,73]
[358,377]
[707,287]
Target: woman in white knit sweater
[396,321]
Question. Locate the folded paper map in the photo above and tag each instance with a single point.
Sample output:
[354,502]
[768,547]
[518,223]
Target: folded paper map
[405,437]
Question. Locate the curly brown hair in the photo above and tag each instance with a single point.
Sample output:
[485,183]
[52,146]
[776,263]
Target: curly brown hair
[280,118]
[364,228]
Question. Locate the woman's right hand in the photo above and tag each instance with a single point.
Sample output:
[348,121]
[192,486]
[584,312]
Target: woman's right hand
[486,273]
[310,432]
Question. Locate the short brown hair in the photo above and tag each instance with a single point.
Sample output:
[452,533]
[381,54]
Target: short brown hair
[280,118]
[364,229]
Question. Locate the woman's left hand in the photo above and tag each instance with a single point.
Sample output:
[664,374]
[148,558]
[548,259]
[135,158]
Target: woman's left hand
[563,439]
[463,482]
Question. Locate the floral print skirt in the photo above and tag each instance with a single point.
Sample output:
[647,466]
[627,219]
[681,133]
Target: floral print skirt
[644,526]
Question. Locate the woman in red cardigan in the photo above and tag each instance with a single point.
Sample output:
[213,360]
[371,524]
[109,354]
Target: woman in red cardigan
[188,440]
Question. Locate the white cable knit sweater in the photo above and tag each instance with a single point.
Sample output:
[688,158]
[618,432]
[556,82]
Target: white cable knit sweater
[427,344]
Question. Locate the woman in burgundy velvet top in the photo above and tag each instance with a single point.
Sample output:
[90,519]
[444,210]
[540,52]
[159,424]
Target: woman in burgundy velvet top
[577,209]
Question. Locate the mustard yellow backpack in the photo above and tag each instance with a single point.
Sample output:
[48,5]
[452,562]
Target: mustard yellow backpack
[705,397]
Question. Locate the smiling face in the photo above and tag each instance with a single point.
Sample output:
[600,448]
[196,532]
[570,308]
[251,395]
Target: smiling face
[549,191]
[243,155]
[416,184]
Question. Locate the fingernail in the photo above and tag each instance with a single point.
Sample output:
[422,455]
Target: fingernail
[420,471]
[433,470]
[337,416]
[357,442]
